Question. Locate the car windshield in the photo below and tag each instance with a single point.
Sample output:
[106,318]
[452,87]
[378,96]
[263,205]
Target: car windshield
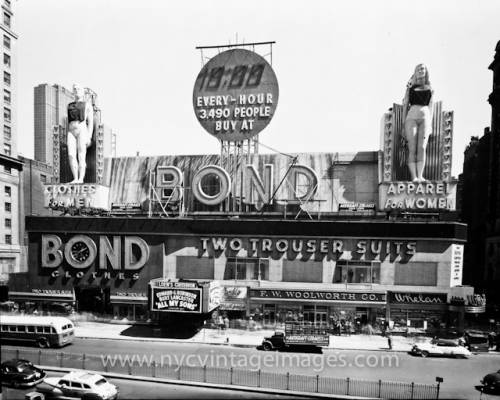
[101,382]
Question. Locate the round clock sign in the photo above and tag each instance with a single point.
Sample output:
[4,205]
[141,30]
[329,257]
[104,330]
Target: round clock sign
[235,95]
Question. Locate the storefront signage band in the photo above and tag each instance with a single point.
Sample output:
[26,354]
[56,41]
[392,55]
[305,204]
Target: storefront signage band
[417,298]
[283,245]
[319,295]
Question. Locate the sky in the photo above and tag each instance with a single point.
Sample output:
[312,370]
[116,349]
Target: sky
[340,65]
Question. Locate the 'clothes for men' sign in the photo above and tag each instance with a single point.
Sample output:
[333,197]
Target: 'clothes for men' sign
[417,298]
[318,295]
[179,300]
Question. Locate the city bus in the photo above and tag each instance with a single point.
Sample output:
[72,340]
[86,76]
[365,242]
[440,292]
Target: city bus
[43,331]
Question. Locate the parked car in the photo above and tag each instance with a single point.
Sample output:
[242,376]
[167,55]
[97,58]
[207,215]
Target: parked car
[491,382]
[440,347]
[477,341]
[9,306]
[79,384]
[20,373]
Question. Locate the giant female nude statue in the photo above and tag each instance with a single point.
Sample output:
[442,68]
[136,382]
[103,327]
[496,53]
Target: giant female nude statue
[417,117]
[80,128]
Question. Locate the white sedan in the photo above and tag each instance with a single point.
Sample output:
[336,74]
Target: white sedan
[440,347]
[79,384]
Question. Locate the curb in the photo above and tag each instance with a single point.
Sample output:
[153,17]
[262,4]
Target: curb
[215,386]
[159,340]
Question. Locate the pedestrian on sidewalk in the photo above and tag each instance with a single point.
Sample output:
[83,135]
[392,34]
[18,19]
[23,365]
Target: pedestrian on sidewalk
[389,341]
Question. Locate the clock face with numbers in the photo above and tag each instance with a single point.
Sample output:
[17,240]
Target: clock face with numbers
[80,252]
[235,95]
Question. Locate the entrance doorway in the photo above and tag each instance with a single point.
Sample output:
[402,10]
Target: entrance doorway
[92,299]
[316,314]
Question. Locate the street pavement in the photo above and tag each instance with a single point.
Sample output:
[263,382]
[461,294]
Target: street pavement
[234,337]
[149,390]
[460,375]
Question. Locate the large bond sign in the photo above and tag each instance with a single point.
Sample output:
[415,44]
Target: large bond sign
[235,95]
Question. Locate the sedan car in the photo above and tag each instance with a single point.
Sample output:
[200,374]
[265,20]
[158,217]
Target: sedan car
[79,384]
[491,382]
[440,347]
[20,373]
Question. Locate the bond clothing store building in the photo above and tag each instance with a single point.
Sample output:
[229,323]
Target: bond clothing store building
[289,260]
[318,237]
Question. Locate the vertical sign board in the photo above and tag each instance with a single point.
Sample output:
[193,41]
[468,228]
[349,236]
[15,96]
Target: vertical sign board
[175,297]
[214,292]
[457,262]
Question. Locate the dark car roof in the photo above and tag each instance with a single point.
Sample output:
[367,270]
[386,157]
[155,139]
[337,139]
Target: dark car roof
[15,362]
[493,375]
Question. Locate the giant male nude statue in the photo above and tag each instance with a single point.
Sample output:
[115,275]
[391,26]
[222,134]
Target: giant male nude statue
[80,128]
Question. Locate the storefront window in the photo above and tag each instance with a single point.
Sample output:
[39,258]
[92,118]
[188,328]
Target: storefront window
[357,272]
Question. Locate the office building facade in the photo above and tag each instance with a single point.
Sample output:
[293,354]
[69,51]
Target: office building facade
[10,166]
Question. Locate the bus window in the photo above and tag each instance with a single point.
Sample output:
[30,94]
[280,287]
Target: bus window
[4,328]
[46,329]
[31,329]
[12,328]
[39,329]
[21,328]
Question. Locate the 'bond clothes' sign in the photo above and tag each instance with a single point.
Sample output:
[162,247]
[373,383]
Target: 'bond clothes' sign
[235,95]
[177,300]
[319,295]
[417,298]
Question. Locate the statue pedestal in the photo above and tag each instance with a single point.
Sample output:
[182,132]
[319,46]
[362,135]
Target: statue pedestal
[78,195]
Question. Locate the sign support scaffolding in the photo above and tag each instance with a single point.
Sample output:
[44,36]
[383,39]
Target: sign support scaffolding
[235,154]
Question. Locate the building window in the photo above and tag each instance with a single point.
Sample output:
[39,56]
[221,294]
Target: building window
[6,78]
[7,149]
[43,178]
[357,272]
[6,19]
[6,60]
[8,239]
[7,114]
[7,170]
[8,207]
[7,133]
[8,191]
[246,268]
[6,41]
[8,223]
[6,96]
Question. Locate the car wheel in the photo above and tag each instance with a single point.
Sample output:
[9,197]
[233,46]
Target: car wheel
[267,346]
[424,353]
[42,343]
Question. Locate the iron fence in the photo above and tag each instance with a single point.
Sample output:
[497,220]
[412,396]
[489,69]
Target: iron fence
[230,376]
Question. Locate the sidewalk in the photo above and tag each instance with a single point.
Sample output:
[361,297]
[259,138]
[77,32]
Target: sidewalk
[234,337]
